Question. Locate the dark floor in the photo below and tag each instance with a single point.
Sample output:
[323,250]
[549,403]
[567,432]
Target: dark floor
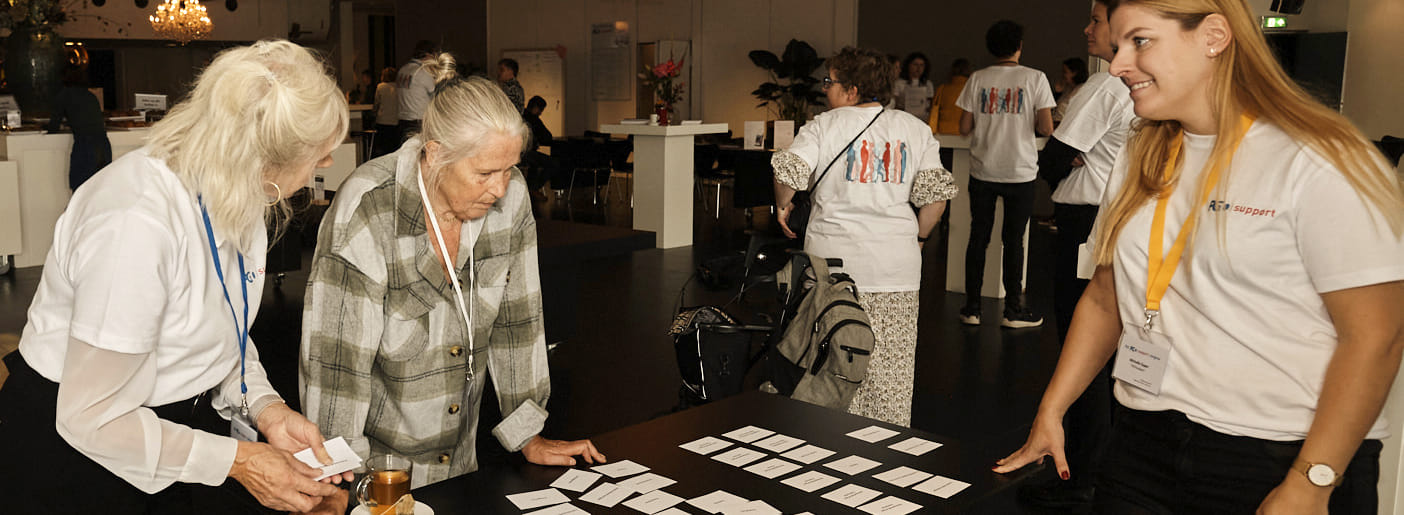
[978,385]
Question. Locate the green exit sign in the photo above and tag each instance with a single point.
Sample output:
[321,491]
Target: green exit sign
[1274,22]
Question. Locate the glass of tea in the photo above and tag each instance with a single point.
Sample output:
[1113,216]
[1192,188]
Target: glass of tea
[387,479]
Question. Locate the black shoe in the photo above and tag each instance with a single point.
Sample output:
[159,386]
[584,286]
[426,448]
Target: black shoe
[1018,317]
[1056,494]
[970,314]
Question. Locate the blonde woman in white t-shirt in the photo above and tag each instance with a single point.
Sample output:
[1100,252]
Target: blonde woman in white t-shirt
[1252,368]
[880,163]
[136,352]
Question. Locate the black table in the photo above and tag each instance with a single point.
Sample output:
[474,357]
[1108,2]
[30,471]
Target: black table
[562,248]
[655,444]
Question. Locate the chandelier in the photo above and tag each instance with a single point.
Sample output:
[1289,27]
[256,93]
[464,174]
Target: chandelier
[181,20]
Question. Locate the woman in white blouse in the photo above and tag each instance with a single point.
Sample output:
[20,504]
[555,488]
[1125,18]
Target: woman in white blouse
[913,91]
[136,349]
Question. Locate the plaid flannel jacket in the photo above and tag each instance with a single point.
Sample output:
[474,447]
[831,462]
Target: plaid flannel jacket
[384,353]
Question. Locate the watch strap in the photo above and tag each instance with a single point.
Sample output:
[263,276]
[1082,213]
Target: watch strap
[1304,466]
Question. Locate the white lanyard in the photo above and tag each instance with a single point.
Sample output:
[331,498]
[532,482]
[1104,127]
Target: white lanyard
[463,307]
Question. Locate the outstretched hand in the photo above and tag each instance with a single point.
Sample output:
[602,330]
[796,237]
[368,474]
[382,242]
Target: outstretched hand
[542,451]
[1045,439]
[290,431]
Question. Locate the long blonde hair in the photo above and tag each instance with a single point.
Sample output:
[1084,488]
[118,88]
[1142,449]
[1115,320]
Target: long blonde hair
[255,112]
[1246,78]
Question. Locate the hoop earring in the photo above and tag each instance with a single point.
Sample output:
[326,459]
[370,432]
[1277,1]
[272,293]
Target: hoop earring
[278,197]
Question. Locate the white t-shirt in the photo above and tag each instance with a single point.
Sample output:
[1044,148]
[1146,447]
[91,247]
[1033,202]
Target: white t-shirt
[914,97]
[862,211]
[1252,337]
[1005,101]
[414,85]
[1098,121]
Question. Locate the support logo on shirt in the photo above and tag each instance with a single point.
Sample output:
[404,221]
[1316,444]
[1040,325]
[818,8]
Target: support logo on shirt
[1224,206]
[865,164]
[1002,101]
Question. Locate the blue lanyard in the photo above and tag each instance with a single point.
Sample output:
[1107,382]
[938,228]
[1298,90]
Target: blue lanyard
[243,331]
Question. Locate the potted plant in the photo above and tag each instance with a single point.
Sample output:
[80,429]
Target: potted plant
[792,87]
[35,54]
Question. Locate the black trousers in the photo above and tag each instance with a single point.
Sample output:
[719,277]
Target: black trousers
[1018,207]
[1089,419]
[387,140]
[55,478]
[90,153]
[1160,462]
[409,129]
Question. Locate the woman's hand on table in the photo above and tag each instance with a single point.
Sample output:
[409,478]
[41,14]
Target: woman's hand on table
[542,451]
[782,214]
[290,431]
[1045,439]
[277,479]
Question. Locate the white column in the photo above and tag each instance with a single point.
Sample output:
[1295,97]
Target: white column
[960,227]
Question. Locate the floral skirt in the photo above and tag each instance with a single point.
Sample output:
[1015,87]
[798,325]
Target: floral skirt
[886,394]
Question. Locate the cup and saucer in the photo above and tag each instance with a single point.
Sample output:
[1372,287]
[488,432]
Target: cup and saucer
[419,509]
[386,484]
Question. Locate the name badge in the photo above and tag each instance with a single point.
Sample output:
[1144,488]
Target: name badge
[1142,357]
[240,428]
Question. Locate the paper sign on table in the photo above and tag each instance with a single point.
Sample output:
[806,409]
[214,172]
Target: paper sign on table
[748,434]
[560,509]
[811,481]
[772,468]
[890,506]
[343,458]
[717,501]
[619,469]
[739,456]
[903,476]
[653,502]
[778,443]
[914,446]
[756,507]
[852,465]
[852,495]
[607,495]
[576,480]
[644,483]
[941,486]
[755,135]
[873,434]
[706,445]
[808,454]
[538,498]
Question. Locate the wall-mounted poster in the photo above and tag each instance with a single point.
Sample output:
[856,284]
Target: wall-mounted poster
[609,61]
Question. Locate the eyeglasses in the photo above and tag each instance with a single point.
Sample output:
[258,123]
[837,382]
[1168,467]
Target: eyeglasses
[828,81]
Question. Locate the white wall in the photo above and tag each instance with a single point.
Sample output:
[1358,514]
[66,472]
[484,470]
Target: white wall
[1375,69]
[722,33]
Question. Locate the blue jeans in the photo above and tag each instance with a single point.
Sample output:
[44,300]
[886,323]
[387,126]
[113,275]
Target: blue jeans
[1160,462]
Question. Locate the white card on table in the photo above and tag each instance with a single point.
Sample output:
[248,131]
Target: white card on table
[607,495]
[706,445]
[756,507]
[941,486]
[873,434]
[914,446]
[653,502]
[739,456]
[808,454]
[778,443]
[811,481]
[1141,358]
[343,458]
[852,495]
[559,509]
[772,468]
[748,434]
[619,469]
[538,498]
[890,506]
[903,476]
[644,483]
[672,511]
[717,501]
[852,465]
[575,480]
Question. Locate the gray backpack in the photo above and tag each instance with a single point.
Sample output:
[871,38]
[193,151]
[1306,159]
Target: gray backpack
[829,341]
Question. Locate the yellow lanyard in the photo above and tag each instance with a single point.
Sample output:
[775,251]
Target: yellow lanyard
[1162,266]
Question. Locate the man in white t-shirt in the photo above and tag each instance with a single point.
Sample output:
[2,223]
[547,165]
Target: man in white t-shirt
[1002,108]
[1076,162]
[415,85]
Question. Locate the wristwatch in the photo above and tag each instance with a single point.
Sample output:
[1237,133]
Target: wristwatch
[1320,474]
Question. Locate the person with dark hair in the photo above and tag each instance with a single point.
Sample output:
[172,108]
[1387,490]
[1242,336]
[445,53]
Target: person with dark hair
[79,107]
[507,79]
[913,92]
[1077,162]
[1074,75]
[1004,107]
[365,89]
[537,165]
[867,167]
[945,116]
[413,86]
[387,114]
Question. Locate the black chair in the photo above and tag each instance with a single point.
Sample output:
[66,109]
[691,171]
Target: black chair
[704,158]
[754,184]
